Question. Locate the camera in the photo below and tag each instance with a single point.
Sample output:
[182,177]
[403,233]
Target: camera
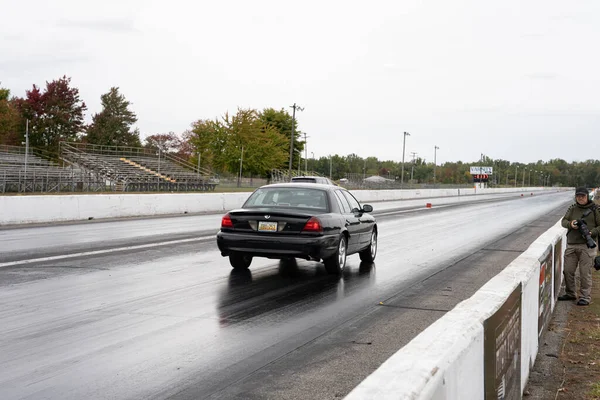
[585,232]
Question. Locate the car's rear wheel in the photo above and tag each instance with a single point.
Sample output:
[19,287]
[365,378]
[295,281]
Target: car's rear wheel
[370,252]
[336,263]
[240,261]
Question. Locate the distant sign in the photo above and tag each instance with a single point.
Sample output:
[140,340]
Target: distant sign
[481,170]
[481,178]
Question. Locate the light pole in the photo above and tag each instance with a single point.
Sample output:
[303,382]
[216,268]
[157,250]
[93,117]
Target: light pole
[365,169]
[523,183]
[305,155]
[159,143]
[241,161]
[330,165]
[299,159]
[412,168]
[516,174]
[313,160]
[294,107]
[26,146]
[435,148]
[403,148]
[199,158]
[529,179]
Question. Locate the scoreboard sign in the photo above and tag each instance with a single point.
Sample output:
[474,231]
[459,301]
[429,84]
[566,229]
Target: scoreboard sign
[481,170]
[481,178]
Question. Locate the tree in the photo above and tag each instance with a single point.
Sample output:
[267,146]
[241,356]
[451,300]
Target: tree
[10,120]
[282,121]
[55,115]
[168,143]
[264,147]
[204,142]
[112,125]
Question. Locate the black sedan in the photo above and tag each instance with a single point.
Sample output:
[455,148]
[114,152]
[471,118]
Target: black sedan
[299,220]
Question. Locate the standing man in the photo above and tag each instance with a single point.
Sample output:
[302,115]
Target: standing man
[578,252]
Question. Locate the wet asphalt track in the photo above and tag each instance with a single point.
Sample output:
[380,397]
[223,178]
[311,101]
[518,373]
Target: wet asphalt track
[148,308]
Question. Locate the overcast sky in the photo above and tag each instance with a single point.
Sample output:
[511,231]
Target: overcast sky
[513,79]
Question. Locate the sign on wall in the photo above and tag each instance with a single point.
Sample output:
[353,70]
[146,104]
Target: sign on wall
[558,260]
[545,297]
[502,350]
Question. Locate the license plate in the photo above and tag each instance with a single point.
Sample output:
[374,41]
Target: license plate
[267,226]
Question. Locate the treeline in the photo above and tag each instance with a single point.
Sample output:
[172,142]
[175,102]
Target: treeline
[261,138]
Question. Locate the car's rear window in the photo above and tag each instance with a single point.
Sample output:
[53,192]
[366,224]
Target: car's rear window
[288,197]
[311,180]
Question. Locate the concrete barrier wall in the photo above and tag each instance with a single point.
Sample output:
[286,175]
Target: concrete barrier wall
[446,361]
[55,208]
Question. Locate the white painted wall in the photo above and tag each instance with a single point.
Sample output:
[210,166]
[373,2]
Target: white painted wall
[446,360]
[55,208]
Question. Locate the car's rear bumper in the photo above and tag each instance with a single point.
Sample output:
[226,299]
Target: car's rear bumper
[271,246]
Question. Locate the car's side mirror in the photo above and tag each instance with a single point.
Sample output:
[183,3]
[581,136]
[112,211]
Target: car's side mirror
[367,208]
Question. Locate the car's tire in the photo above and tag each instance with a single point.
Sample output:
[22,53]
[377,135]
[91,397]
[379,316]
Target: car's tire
[337,262]
[240,261]
[370,252]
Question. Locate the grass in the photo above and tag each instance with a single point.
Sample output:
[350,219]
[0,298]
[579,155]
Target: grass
[595,391]
[581,354]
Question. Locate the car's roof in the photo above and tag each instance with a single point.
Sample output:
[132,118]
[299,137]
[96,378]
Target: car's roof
[308,185]
[308,176]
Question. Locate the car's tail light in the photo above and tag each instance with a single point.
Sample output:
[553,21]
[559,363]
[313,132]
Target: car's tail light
[226,222]
[313,225]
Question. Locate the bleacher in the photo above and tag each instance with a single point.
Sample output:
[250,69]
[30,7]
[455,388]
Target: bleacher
[32,172]
[282,176]
[138,169]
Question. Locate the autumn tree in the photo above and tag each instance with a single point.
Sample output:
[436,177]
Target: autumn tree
[113,125]
[166,142]
[54,115]
[10,117]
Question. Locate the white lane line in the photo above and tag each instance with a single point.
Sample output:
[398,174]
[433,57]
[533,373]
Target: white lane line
[410,210]
[96,252]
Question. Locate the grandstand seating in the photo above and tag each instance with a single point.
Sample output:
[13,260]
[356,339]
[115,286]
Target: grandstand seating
[138,169]
[33,173]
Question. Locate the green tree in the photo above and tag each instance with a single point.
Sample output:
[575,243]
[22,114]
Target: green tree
[282,121]
[263,145]
[112,126]
[205,143]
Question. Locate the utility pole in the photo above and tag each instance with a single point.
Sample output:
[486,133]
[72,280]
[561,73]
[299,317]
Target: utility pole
[403,148]
[435,148]
[529,179]
[523,183]
[516,174]
[294,107]
[365,169]
[330,165]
